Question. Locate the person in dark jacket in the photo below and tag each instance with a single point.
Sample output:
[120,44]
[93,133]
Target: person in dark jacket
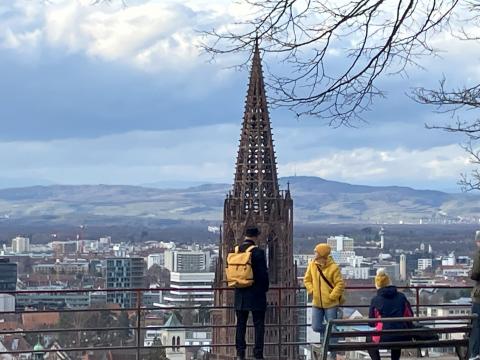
[388,303]
[252,299]
[474,343]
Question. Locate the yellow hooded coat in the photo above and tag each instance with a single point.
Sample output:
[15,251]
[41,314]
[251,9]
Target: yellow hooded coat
[323,296]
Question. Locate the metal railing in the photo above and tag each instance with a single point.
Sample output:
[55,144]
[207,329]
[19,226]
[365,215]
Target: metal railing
[137,330]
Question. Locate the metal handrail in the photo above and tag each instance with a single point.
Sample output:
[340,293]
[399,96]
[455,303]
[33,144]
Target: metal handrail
[139,309]
[216,288]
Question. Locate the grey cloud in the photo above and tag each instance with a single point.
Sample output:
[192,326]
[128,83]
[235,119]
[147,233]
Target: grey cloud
[208,154]
[77,97]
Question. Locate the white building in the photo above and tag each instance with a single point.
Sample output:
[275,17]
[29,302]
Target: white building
[455,271]
[67,266]
[179,281]
[403,267]
[7,302]
[449,260]
[187,261]
[340,243]
[356,261]
[358,273]
[166,336]
[445,310]
[343,257]
[173,336]
[120,250]
[89,246]
[105,241]
[424,264]
[20,244]
[354,267]
[156,259]
[342,249]
[382,238]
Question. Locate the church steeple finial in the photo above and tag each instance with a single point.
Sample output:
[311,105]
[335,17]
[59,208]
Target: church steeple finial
[257,62]
[256,182]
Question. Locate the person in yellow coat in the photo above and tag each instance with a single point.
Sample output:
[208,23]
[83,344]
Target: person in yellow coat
[323,279]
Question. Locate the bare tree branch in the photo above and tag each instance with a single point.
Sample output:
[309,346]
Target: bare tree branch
[471,181]
[371,37]
[452,101]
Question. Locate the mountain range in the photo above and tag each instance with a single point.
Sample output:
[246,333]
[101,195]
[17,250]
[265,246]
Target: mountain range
[316,200]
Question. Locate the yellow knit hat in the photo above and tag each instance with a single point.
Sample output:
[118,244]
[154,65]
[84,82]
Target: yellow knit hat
[382,279]
[323,249]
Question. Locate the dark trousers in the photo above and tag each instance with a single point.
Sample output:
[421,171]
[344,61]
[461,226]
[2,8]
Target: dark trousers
[474,345]
[258,324]
[375,354]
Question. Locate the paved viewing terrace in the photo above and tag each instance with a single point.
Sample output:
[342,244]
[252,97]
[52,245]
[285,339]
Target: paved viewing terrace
[51,329]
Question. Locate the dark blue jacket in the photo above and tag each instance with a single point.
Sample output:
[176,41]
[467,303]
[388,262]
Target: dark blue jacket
[475,275]
[389,303]
[254,298]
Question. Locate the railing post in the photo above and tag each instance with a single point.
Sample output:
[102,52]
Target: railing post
[279,322]
[139,324]
[417,310]
[417,301]
[326,338]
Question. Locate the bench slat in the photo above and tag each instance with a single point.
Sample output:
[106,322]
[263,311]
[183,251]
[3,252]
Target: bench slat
[353,333]
[397,344]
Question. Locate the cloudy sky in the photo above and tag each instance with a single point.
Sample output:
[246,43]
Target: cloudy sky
[122,95]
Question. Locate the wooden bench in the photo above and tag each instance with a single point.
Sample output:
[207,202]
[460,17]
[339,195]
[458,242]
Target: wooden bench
[442,326]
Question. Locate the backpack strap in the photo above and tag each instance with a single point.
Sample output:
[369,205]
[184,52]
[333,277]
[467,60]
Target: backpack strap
[250,248]
[324,278]
[237,249]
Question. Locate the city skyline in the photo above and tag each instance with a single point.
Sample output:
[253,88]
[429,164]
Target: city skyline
[106,94]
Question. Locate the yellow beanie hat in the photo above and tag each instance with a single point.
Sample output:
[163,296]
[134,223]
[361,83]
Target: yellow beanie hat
[382,279]
[323,249]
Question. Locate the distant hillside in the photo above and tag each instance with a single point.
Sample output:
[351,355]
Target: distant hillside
[319,200]
[315,200]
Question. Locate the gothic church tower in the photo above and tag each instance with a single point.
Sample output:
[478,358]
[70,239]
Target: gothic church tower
[256,200]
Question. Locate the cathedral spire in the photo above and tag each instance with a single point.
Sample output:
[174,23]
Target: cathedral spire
[256,200]
[256,183]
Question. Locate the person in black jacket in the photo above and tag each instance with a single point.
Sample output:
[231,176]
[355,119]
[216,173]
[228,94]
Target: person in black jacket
[252,299]
[388,303]
[474,344]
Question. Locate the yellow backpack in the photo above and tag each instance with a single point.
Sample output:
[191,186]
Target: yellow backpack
[239,268]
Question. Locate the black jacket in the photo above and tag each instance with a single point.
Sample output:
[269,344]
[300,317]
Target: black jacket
[475,275]
[254,298]
[389,303]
